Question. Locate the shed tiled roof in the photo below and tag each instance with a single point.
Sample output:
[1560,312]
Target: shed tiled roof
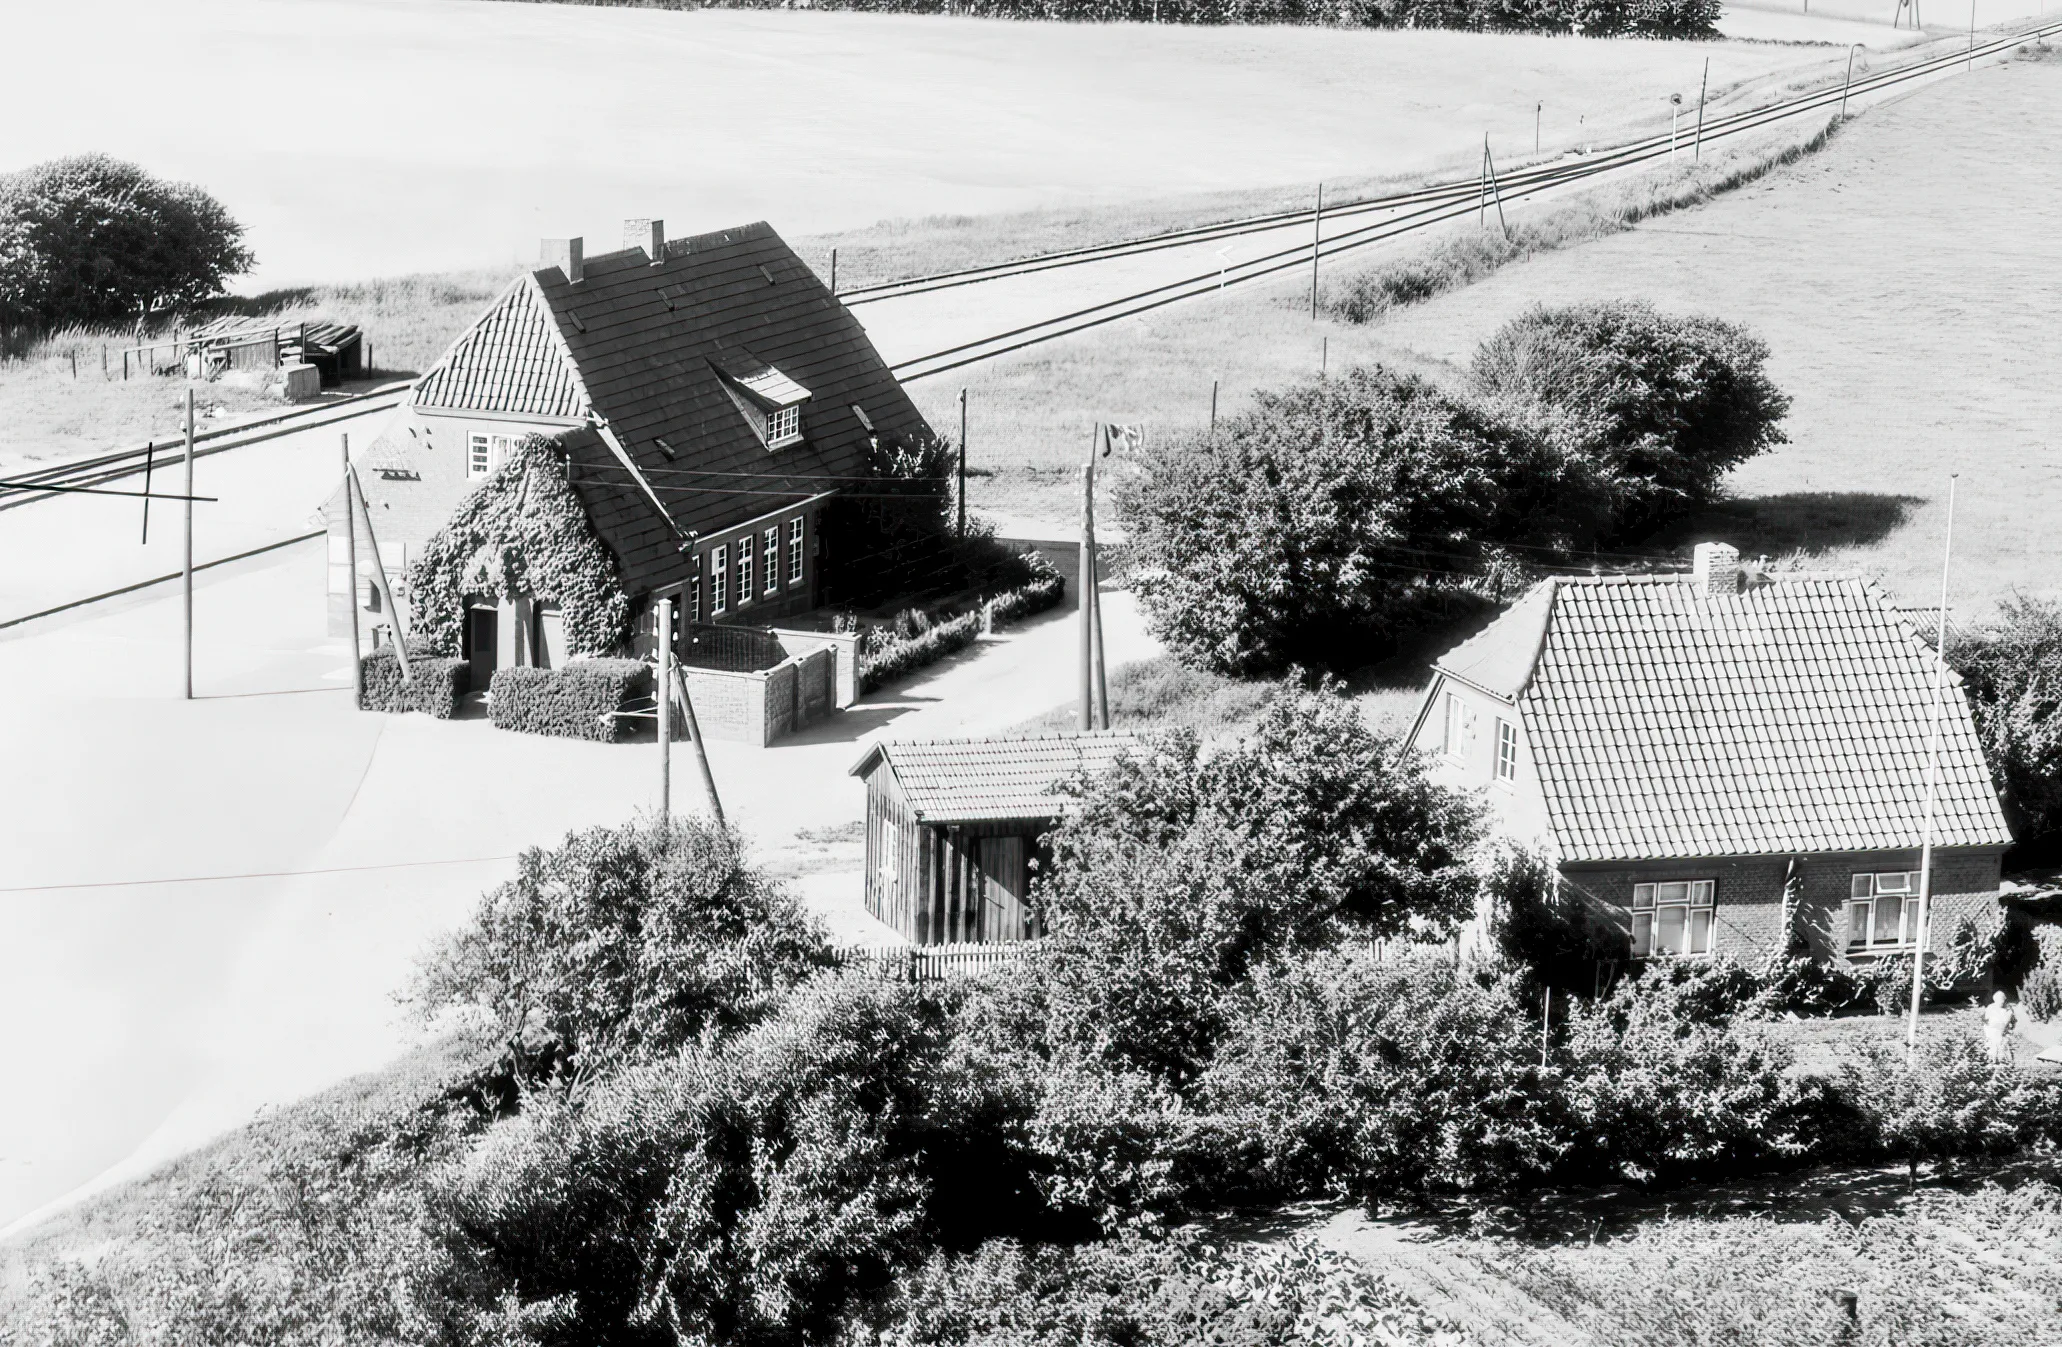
[1792,717]
[644,347]
[1012,777]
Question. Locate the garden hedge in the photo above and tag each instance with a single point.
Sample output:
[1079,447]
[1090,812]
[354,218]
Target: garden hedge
[574,702]
[437,685]
[900,658]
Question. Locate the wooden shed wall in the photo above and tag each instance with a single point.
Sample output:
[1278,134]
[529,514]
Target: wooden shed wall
[933,883]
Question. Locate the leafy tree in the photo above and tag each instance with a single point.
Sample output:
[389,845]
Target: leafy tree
[1180,872]
[91,239]
[1659,407]
[1329,514]
[1949,1102]
[2012,674]
[624,943]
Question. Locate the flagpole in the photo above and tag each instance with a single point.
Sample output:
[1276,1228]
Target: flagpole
[1911,1036]
[1086,584]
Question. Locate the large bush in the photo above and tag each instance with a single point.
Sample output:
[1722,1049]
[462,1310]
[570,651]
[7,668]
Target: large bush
[584,699]
[1658,407]
[91,239]
[1180,871]
[2012,674]
[1330,515]
[625,942]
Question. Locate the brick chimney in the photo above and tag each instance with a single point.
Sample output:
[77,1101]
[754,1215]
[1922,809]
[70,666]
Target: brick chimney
[1717,568]
[565,254]
[649,235]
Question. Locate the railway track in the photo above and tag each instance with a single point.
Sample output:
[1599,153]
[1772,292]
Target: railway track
[1404,213]
[117,464]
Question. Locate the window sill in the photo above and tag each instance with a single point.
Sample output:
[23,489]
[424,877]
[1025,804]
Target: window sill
[784,442]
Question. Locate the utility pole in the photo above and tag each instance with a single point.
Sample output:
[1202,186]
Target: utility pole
[962,465]
[1213,407]
[1911,1035]
[1087,581]
[834,273]
[1496,189]
[1967,66]
[1537,110]
[1698,155]
[694,733]
[1317,230]
[186,573]
[1844,88]
[662,700]
[379,574]
[150,453]
[351,583]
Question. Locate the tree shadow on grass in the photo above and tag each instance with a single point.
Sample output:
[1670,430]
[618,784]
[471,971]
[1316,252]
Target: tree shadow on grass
[1804,523]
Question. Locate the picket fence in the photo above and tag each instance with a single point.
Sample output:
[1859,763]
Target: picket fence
[933,963]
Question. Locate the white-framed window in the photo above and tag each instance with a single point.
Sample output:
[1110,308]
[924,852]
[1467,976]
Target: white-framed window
[795,551]
[1455,742]
[719,579]
[1883,910]
[485,453]
[891,847]
[744,570]
[1672,917]
[1506,750]
[784,427]
[694,599]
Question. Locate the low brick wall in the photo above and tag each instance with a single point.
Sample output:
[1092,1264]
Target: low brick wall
[844,649]
[762,705]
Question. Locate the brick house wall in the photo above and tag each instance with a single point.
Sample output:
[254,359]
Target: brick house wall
[1747,921]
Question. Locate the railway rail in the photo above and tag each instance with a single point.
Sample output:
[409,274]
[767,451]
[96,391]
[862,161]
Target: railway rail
[1406,212]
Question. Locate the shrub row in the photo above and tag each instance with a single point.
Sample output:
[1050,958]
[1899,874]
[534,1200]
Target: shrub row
[582,700]
[898,657]
[435,686]
[1593,18]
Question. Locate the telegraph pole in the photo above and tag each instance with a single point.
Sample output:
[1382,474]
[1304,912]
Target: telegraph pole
[351,583]
[962,465]
[1317,228]
[1911,1036]
[1844,88]
[1698,154]
[186,574]
[662,689]
[1087,582]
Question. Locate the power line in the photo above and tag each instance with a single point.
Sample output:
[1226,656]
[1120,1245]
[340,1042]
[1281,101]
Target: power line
[256,874]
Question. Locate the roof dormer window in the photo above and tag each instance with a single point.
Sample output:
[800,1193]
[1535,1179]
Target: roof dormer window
[770,401]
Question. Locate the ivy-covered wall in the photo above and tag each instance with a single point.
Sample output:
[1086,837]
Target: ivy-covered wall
[522,531]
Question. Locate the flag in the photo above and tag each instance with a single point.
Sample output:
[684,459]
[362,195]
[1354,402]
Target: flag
[1130,439]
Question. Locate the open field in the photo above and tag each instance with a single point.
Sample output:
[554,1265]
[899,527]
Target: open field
[494,124]
[1903,279]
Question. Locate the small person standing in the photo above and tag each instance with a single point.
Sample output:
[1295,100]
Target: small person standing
[1999,1020]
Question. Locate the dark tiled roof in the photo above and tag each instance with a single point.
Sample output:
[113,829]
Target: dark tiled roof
[1792,717]
[966,780]
[643,348]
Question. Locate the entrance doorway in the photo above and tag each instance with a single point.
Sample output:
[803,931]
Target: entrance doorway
[482,629]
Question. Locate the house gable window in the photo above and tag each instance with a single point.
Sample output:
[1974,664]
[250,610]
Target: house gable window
[1883,911]
[485,453]
[795,551]
[1455,743]
[719,579]
[770,550]
[744,570]
[1672,917]
[1506,750]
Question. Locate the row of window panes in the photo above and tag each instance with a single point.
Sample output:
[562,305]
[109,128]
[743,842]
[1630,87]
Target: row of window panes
[760,553]
[485,453]
[1460,727]
[1675,916]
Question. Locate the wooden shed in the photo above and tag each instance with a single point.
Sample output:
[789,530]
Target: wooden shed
[952,825]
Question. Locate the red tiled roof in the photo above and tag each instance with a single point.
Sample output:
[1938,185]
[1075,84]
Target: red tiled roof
[1791,717]
[1012,777]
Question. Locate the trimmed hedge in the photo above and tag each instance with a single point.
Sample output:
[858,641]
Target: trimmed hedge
[437,684]
[900,658]
[574,702]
